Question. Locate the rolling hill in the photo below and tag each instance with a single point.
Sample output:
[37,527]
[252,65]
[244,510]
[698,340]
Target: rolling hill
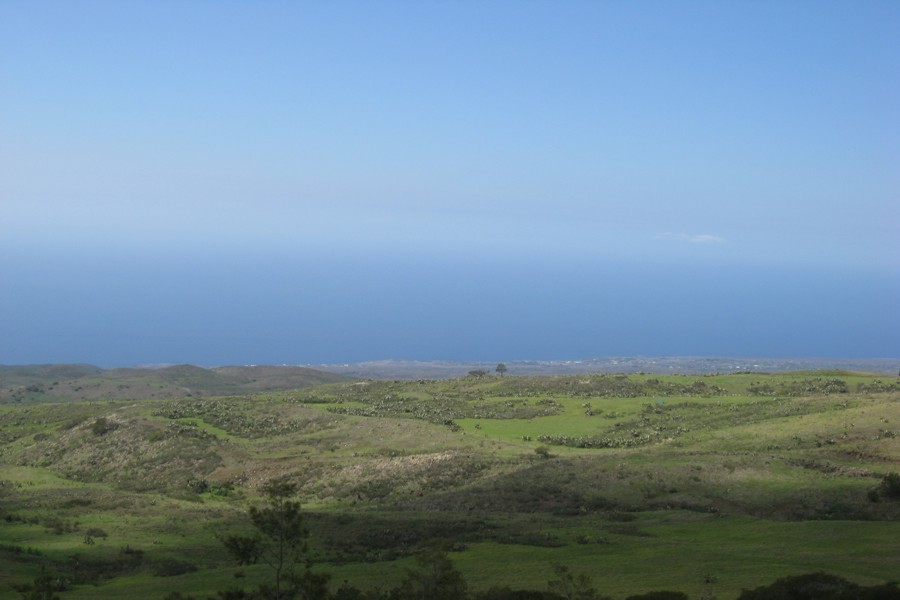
[53,383]
[703,484]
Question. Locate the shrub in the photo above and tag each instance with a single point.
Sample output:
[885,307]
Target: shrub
[890,486]
[198,485]
[102,426]
[171,567]
[59,526]
[76,503]
[436,579]
[44,587]
[136,554]
[812,586]
[14,549]
[542,451]
[507,593]
[92,569]
[571,586]
[96,532]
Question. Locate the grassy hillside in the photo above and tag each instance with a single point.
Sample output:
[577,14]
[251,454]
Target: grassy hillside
[707,485]
[55,383]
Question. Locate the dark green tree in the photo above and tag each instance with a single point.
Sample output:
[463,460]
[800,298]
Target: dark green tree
[44,587]
[501,369]
[811,586]
[435,579]
[890,486]
[821,586]
[279,541]
[572,587]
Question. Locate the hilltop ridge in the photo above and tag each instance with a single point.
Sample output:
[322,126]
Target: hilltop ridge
[68,382]
[87,382]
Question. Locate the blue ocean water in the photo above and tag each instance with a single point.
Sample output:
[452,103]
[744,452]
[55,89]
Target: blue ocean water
[114,311]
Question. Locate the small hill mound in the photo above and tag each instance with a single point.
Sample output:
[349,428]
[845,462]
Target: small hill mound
[54,383]
[39,374]
[267,377]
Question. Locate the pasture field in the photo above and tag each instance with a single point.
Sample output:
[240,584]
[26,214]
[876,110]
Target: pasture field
[703,484]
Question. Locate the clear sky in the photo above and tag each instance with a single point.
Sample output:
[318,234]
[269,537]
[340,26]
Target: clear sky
[300,182]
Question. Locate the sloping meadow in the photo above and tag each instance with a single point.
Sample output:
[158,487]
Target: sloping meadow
[535,470]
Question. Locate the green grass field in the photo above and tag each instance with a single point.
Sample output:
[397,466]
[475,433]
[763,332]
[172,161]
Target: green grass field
[707,485]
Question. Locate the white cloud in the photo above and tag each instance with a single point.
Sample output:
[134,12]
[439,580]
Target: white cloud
[693,238]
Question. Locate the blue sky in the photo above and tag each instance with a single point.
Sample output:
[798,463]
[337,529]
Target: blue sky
[248,182]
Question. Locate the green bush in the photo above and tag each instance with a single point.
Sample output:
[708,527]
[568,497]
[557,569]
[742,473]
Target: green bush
[102,426]
[820,586]
[890,486]
[96,532]
[171,567]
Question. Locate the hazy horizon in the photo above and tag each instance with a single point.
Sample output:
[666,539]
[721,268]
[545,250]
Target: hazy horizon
[304,183]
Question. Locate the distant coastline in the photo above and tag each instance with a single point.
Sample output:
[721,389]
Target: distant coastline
[686,365]
[11,374]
